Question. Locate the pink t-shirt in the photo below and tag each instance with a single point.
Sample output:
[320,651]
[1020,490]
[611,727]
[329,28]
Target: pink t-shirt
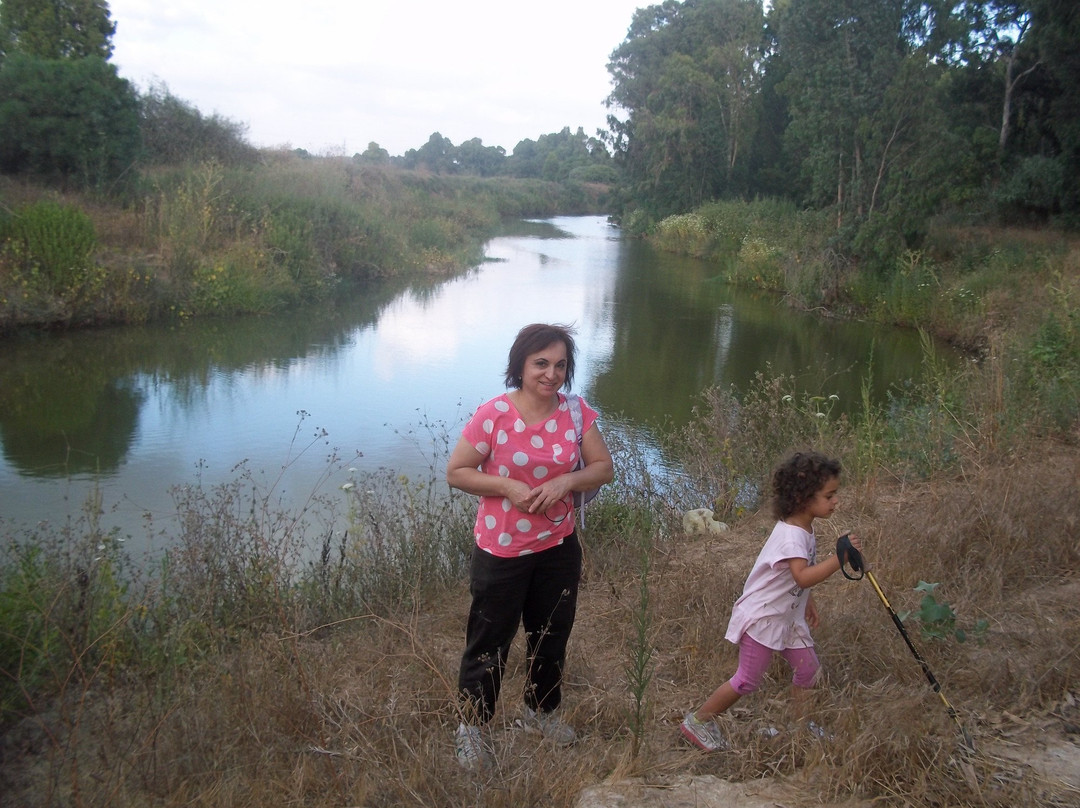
[530,453]
[772,607]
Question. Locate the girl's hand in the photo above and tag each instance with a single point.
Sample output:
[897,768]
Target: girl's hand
[856,542]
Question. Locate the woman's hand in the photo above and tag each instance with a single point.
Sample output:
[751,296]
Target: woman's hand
[539,499]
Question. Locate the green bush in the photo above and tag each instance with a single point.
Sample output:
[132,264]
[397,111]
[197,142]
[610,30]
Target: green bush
[53,243]
[1033,190]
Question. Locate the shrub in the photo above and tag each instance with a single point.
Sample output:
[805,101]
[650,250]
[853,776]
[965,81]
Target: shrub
[53,243]
[1033,190]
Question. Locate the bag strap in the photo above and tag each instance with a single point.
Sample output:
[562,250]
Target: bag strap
[573,402]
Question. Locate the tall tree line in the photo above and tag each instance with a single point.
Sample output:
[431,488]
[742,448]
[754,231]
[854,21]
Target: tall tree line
[886,111]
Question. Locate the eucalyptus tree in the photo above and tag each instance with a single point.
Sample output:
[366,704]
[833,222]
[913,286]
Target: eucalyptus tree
[869,124]
[436,156]
[687,79]
[1056,31]
[557,155]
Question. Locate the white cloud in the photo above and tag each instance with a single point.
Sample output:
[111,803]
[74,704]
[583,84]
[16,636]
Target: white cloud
[337,75]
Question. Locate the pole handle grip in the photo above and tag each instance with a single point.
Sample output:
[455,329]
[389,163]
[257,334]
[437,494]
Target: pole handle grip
[848,555]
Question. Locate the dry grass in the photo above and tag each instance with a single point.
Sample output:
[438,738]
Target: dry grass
[362,713]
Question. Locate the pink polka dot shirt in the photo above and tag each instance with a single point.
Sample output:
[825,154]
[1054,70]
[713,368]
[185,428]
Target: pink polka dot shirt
[529,453]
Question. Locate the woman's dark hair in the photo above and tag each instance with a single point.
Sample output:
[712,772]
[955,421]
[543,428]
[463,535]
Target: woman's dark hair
[798,478]
[532,339]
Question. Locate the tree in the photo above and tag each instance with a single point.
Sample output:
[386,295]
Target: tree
[557,156]
[374,154]
[473,157]
[173,131]
[56,29]
[688,76]
[1056,30]
[436,156]
[72,120]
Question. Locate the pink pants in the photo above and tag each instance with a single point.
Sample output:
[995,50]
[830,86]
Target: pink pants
[754,659]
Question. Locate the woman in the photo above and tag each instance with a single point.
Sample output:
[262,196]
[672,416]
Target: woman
[519,453]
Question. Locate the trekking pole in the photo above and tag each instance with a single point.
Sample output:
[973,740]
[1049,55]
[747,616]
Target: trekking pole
[848,554]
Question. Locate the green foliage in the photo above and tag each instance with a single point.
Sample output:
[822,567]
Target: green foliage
[72,121]
[64,612]
[1033,191]
[1053,360]
[883,113]
[47,251]
[175,132]
[561,156]
[687,75]
[374,154]
[27,636]
[604,174]
[56,29]
[54,241]
[937,619]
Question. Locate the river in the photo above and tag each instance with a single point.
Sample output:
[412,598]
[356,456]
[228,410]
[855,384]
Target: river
[305,400]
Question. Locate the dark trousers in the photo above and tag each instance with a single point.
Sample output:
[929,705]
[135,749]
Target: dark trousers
[538,591]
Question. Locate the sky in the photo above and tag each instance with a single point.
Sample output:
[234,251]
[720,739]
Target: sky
[331,76]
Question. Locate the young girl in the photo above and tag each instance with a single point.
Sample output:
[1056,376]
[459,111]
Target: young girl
[775,612]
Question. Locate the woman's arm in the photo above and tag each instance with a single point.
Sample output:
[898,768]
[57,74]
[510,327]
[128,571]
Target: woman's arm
[463,473]
[599,469]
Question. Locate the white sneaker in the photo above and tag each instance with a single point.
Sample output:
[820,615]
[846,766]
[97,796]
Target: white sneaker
[472,753]
[550,726]
[705,735]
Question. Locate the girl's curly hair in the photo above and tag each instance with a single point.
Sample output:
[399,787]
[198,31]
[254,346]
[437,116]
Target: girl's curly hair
[798,478]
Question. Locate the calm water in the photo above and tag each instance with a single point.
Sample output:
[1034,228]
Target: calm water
[132,412]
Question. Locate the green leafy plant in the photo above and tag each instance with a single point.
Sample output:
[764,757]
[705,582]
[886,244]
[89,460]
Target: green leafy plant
[937,619]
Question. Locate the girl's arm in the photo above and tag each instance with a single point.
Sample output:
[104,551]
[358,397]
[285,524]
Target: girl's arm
[807,576]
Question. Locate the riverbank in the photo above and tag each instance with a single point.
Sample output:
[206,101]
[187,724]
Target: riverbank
[207,240]
[968,284]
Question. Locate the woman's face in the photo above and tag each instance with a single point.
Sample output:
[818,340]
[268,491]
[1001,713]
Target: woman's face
[544,372]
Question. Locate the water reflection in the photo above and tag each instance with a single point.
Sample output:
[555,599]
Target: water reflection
[680,330]
[71,403]
[130,412]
